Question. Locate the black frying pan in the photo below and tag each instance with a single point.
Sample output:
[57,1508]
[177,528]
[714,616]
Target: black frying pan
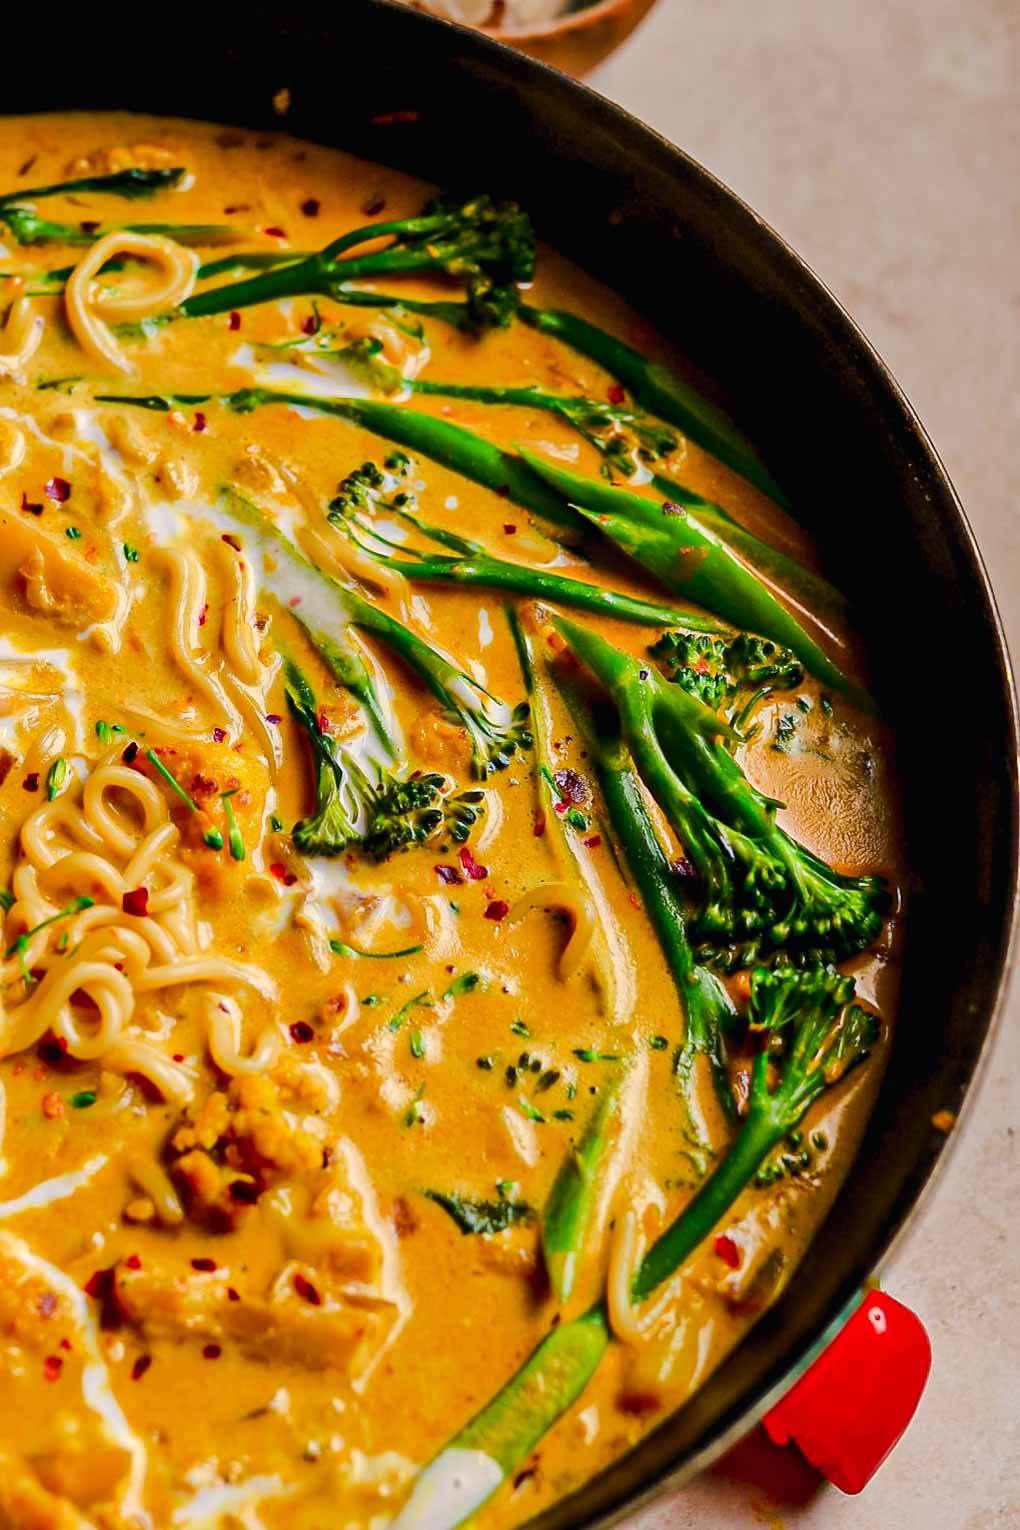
[450,106]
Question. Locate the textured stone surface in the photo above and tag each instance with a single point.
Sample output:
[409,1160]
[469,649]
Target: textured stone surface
[880,138]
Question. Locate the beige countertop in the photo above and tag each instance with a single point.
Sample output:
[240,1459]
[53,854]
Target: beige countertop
[882,139]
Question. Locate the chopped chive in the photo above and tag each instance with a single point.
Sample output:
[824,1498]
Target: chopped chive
[417,1044]
[6,899]
[563,1115]
[588,1054]
[130,553]
[72,532]
[74,907]
[56,778]
[233,832]
[519,1028]
[467,982]
[550,1077]
[372,998]
[212,837]
[341,948]
[424,998]
[485,1063]
[577,820]
[104,733]
[275,823]
[413,1113]
[83,1099]
[658,1043]
[154,759]
[527,1109]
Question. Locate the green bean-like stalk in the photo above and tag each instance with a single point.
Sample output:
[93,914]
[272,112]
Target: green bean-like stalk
[450,445]
[473,564]
[707,1008]
[488,246]
[132,185]
[690,558]
[28,228]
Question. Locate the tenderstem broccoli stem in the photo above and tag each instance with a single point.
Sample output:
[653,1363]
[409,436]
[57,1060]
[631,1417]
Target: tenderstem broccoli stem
[570,1208]
[476,566]
[661,392]
[130,184]
[691,559]
[450,445]
[706,1006]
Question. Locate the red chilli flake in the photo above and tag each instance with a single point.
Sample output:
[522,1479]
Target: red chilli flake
[89,225]
[593,841]
[136,902]
[232,1295]
[29,507]
[476,872]
[140,1367]
[310,207]
[203,615]
[206,1266]
[373,206]
[52,1367]
[31,781]
[199,424]
[509,528]
[728,1251]
[539,828]
[616,394]
[274,233]
[233,319]
[133,1262]
[219,734]
[497,910]
[395,119]
[302,1032]
[448,875]
[99,1284]
[58,489]
[310,326]
[212,1351]
[130,753]
[243,1191]
[274,718]
[231,541]
[305,1289]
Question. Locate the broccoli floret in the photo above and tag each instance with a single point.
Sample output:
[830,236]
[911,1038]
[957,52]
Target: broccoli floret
[418,811]
[343,792]
[742,670]
[759,892]
[367,490]
[379,816]
[487,245]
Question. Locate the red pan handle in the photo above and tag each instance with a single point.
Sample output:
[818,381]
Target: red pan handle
[848,1412]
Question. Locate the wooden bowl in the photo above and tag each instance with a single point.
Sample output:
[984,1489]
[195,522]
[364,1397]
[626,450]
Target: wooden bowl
[578,41]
